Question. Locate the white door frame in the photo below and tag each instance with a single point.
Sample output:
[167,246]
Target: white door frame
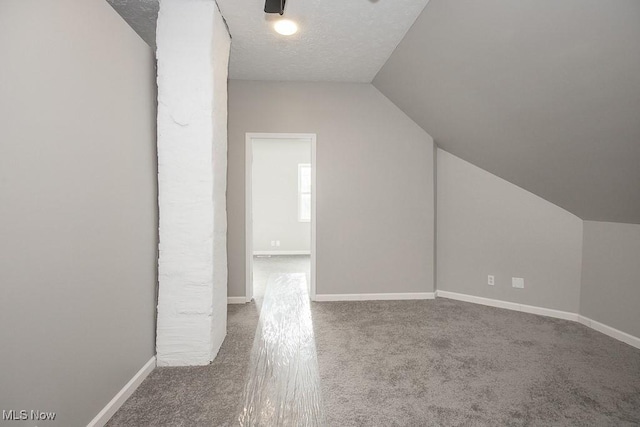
[248,213]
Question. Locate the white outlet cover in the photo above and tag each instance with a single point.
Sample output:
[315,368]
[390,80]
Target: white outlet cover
[517,282]
[491,280]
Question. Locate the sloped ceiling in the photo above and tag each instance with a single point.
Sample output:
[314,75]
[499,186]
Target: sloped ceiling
[141,15]
[543,93]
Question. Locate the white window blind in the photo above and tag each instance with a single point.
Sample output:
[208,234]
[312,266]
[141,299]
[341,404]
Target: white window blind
[304,192]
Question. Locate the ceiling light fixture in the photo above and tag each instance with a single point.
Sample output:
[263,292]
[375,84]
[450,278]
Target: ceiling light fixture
[285,27]
[274,6]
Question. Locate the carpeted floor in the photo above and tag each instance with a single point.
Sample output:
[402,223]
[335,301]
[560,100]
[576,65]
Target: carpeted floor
[445,362]
[418,363]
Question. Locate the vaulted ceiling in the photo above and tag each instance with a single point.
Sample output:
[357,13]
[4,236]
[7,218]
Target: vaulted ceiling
[543,93]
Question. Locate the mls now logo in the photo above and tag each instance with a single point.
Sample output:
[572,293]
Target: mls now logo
[22,415]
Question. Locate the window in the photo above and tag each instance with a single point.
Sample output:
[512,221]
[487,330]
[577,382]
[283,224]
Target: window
[304,192]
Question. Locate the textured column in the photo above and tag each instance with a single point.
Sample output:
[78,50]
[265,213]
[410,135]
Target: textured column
[193,51]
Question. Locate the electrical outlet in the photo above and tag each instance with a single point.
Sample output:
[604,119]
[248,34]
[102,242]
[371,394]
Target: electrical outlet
[273,243]
[517,282]
[278,243]
[491,280]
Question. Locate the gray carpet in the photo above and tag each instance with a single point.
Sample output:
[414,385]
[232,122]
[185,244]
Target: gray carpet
[418,363]
[445,362]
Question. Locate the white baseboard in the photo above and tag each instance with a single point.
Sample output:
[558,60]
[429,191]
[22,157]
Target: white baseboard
[112,407]
[612,332]
[600,327]
[237,300]
[257,253]
[374,297]
[509,305]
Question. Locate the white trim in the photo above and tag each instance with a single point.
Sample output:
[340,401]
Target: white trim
[612,332]
[112,407]
[249,136]
[281,253]
[314,167]
[237,300]
[549,312]
[597,326]
[375,297]
[248,221]
[558,314]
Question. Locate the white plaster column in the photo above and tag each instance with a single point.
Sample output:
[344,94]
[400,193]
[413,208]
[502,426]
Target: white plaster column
[193,53]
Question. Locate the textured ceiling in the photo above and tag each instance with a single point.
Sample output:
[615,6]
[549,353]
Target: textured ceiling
[543,93]
[345,41]
[141,15]
[337,41]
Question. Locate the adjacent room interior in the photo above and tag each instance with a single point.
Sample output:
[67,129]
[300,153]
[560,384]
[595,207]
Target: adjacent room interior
[300,212]
[279,215]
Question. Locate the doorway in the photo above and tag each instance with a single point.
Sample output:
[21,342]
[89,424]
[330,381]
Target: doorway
[280,208]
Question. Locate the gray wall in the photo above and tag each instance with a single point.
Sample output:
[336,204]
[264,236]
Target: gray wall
[611,275]
[275,195]
[489,226]
[78,213]
[544,94]
[375,190]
